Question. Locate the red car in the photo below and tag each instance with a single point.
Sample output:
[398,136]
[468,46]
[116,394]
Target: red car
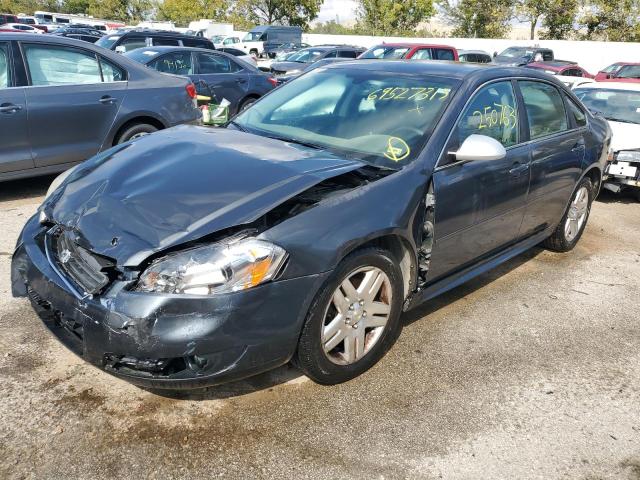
[620,72]
[416,51]
[559,67]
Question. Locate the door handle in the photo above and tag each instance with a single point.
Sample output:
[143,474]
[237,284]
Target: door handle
[578,146]
[107,100]
[518,169]
[9,108]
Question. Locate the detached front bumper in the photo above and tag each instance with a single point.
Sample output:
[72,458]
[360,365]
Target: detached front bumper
[622,173]
[165,341]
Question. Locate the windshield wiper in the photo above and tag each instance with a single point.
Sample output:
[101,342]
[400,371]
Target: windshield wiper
[620,120]
[297,142]
[237,125]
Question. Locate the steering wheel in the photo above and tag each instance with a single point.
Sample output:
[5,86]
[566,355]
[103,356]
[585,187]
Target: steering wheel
[412,131]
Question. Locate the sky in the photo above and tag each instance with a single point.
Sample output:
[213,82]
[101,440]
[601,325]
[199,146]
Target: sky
[345,9]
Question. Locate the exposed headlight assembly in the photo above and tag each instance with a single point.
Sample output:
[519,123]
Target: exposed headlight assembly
[223,267]
[628,156]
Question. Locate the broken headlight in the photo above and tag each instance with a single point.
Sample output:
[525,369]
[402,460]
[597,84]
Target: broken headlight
[628,156]
[217,268]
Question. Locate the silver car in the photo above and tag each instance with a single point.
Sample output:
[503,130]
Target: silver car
[64,100]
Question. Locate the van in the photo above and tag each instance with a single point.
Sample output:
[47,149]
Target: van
[262,39]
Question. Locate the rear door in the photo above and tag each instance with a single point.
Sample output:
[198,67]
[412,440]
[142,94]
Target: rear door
[73,98]
[225,77]
[443,54]
[480,204]
[15,153]
[557,150]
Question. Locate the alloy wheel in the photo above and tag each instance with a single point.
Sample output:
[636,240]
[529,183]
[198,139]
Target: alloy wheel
[356,316]
[577,214]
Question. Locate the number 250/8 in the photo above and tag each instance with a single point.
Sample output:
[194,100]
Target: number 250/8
[498,114]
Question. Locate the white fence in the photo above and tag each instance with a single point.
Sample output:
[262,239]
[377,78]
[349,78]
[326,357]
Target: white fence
[592,56]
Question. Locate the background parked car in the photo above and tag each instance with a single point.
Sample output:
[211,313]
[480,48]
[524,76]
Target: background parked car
[239,54]
[619,103]
[474,56]
[561,67]
[228,78]
[8,18]
[298,61]
[32,21]
[220,41]
[416,51]
[262,39]
[65,100]
[86,34]
[19,27]
[620,72]
[129,40]
[320,63]
[287,48]
[521,56]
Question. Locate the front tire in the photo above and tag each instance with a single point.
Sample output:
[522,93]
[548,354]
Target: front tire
[354,319]
[570,229]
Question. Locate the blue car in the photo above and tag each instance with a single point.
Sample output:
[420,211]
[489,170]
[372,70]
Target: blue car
[224,75]
[304,229]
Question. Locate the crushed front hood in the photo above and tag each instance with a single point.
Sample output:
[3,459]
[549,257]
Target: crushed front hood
[182,184]
[626,136]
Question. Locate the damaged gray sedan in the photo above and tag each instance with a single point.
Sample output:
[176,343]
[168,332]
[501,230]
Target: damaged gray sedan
[305,228]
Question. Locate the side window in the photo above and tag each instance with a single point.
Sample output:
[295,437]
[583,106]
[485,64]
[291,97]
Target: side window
[228,41]
[177,63]
[492,112]
[444,54]
[132,43]
[333,54]
[545,109]
[5,74]
[576,113]
[194,42]
[422,54]
[347,54]
[547,56]
[111,72]
[210,63]
[165,42]
[49,65]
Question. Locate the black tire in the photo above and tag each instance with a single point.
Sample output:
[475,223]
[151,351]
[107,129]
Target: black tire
[637,193]
[246,103]
[310,356]
[134,130]
[558,241]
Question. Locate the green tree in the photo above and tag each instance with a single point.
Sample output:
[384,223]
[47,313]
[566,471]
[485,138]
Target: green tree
[389,17]
[110,9]
[181,12]
[559,19]
[332,28]
[75,6]
[532,11]
[282,12]
[479,18]
[615,21]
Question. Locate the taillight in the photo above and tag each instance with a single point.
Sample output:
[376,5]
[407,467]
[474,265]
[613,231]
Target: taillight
[272,81]
[191,90]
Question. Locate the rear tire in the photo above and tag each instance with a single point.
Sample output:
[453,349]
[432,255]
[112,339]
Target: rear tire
[349,328]
[570,229]
[246,103]
[135,131]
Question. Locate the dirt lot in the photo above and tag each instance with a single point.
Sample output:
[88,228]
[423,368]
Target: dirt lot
[531,371]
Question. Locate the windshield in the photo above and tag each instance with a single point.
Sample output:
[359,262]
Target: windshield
[252,37]
[612,68]
[108,41]
[515,52]
[305,56]
[614,105]
[383,51]
[381,118]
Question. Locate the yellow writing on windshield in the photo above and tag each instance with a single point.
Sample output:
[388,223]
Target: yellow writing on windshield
[397,149]
[497,114]
[414,93]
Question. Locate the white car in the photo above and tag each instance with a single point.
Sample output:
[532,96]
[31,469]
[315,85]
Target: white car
[224,41]
[574,82]
[21,27]
[619,103]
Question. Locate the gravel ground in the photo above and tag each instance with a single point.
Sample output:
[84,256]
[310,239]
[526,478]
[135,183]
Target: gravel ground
[530,371]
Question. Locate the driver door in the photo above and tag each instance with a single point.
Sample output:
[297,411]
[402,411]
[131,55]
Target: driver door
[480,204]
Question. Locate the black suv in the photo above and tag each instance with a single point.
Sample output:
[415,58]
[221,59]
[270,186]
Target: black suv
[298,61]
[83,32]
[125,41]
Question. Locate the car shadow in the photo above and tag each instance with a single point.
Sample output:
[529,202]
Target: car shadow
[25,188]
[625,197]
[267,381]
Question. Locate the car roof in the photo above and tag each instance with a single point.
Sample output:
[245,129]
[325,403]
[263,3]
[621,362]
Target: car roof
[455,70]
[414,45]
[630,86]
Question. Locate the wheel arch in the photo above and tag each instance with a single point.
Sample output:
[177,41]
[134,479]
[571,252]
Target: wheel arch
[133,120]
[595,175]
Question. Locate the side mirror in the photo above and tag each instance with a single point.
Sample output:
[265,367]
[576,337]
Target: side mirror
[121,49]
[495,54]
[479,147]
